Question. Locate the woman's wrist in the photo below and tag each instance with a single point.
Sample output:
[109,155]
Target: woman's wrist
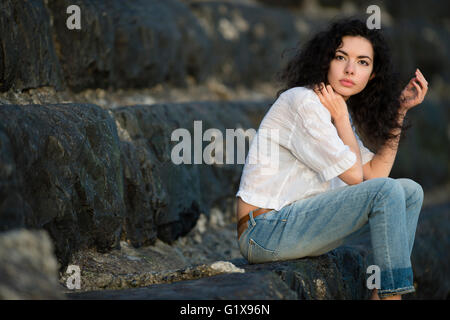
[401,115]
[340,119]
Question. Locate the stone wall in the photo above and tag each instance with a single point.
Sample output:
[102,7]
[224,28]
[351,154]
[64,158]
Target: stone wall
[87,160]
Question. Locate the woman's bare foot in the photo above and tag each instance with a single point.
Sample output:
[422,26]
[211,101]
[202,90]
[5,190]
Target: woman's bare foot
[396,297]
[376,297]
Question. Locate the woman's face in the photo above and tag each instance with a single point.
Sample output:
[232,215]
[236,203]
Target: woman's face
[353,60]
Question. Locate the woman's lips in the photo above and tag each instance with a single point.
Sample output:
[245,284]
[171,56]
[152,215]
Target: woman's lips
[346,83]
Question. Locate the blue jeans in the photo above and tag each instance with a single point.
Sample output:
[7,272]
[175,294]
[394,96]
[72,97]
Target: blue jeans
[386,208]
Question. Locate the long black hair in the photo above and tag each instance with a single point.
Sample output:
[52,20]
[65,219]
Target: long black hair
[374,110]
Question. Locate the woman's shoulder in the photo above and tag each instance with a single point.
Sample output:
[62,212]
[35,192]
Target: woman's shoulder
[299,94]
[305,101]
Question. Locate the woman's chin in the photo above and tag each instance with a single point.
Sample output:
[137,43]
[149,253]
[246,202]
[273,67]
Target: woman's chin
[345,92]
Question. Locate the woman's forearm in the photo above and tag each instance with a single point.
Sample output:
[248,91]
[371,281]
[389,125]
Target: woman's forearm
[383,161]
[345,132]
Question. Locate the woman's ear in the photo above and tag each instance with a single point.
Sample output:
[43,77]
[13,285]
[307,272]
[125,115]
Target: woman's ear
[372,76]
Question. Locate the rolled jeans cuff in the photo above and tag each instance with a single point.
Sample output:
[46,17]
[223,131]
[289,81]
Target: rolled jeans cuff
[396,281]
[388,293]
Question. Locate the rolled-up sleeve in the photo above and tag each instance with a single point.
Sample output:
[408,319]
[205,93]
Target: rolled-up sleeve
[314,141]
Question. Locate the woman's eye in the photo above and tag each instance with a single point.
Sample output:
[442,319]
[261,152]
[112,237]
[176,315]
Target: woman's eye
[363,61]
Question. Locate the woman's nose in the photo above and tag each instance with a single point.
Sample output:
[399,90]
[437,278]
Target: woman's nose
[349,69]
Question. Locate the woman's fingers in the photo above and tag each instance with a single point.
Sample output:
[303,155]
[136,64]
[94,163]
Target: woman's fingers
[330,89]
[323,89]
[317,87]
[419,90]
[422,81]
[327,90]
[317,91]
[421,76]
[322,93]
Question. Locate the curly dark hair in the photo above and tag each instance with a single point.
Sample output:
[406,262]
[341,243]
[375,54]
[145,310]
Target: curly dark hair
[374,110]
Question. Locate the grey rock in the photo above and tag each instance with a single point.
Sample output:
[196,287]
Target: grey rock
[142,43]
[92,178]
[140,199]
[428,53]
[145,132]
[68,169]
[247,41]
[262,285]
[339,275]
[283,3]
[128,44]
[27,54]
[28,267]
[94,280]
[62,172]
[429,257]
[434,10]
[185,259]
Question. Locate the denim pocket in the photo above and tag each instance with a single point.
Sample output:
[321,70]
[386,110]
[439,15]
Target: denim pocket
[259,254]
[270,215]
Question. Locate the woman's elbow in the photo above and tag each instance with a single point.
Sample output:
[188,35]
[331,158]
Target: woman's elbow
[352,177]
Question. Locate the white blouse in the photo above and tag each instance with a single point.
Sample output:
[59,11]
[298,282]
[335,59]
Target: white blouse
[296,153]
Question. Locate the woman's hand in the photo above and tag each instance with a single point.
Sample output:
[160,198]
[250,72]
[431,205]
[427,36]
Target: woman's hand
[413,94]
[333,101]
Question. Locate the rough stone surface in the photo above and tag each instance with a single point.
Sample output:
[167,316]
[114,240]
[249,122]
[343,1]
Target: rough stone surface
[247,41]
[68,169]
[62,172]
[28,268]
[99,179]
[263,285]
[125,44]
[133,147]
[146,134]
[208,242]
[339,274]
[429,258]
[225,266]
[141,43]
[27,54]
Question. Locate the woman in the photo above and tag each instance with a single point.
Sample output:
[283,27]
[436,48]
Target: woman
[327,187]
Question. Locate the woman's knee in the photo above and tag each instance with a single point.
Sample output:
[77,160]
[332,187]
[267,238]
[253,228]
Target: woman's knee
[413,191]
[389,187]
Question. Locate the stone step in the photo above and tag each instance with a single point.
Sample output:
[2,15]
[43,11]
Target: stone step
[337,275]
[92,177]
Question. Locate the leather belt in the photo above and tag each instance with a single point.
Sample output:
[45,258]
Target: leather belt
[241,224]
